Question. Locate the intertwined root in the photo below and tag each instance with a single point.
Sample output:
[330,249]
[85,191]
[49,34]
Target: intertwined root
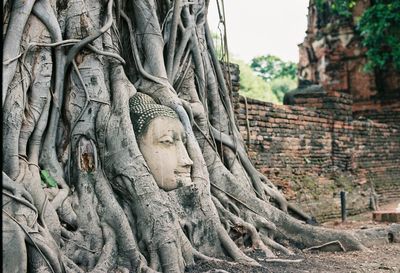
[66,118]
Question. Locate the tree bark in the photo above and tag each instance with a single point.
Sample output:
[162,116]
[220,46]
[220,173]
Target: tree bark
[78,195]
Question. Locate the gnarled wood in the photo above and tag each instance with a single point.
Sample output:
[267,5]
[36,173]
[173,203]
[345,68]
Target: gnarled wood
[78,193]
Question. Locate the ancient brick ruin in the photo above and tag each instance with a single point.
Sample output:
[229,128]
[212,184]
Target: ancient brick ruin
[332,56]
[341,130]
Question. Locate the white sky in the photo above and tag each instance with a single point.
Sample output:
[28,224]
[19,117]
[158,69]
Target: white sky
[261,27]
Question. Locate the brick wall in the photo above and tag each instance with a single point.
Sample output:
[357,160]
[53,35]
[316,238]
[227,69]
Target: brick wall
[388,112]
[340,130]
[312,154]
[376,157]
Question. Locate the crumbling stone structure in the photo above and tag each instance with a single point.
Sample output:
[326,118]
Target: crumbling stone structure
[332,56]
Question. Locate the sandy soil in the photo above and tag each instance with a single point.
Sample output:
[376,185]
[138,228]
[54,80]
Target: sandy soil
[379,259]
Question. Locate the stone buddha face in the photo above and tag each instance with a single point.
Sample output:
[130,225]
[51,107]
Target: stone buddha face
[161,139]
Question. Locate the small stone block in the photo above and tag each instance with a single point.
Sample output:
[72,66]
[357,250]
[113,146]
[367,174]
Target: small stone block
[386,216]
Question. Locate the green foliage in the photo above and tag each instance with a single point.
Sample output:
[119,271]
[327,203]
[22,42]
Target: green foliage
[48,179]
[278,78]
[282,76]
[379,28]
[270,67]
[339,7]
[280,86]
[252,86]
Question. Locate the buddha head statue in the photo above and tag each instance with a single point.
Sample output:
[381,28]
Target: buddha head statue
[161,139]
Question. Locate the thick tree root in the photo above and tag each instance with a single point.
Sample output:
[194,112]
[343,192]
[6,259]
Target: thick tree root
[107,213]
[243,227]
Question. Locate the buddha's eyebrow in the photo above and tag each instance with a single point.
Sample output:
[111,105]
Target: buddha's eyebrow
[169,133]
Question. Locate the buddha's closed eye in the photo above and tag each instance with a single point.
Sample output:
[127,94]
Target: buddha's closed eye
[166,140]
[162,141]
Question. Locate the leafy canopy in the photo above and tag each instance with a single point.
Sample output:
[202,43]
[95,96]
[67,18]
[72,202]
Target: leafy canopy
[270,67]
[252,86]
[339,7]
[278,76]
[378,26]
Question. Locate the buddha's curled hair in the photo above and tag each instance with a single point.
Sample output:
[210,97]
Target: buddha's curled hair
[143,109]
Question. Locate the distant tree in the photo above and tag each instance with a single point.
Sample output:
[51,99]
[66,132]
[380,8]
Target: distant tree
[279,76]
[270,67]
[253,86]
[280,86]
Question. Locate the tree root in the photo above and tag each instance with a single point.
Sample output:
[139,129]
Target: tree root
[289,228]
[107,259]
[233,250]
[41,242]
[334,246]
[379,236]
[20,12]
[201,256]
[243,228]
[172,38]
[114,216]
[282,261]
[12,122]
[77,47]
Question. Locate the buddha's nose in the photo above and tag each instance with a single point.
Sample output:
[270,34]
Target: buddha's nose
[183,157]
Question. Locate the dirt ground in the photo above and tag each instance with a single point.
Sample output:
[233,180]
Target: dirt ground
[379,259]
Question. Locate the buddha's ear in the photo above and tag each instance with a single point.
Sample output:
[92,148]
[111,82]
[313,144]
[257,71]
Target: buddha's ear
[188,108]
[184,137]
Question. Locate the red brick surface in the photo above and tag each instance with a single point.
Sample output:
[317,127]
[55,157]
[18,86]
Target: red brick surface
[386,216]
[312,154]
[332,55]
[344,135]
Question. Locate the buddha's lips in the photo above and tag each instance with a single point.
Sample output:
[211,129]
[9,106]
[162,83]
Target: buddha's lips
[182,174]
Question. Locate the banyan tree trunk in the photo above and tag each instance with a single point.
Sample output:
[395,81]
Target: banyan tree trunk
[78,195]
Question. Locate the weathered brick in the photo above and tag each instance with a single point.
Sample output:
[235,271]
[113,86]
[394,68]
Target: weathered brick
[324,150]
